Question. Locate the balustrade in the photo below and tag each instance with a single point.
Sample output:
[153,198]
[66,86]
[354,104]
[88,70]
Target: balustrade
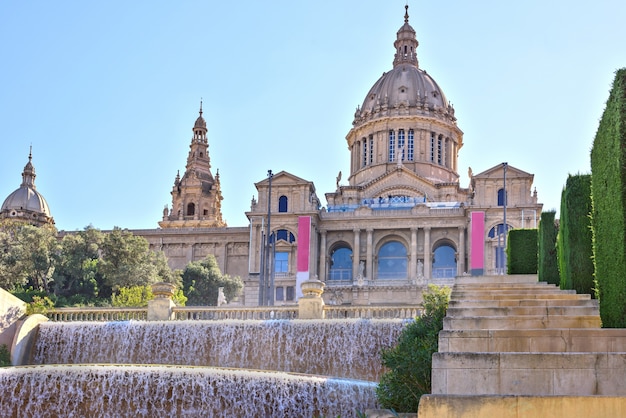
[183,313]
[97,314]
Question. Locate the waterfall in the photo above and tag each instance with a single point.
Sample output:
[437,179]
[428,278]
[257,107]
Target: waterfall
[339,348]
[162,391]
[229,368]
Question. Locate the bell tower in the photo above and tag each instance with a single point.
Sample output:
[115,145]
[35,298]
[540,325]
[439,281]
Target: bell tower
[197,195]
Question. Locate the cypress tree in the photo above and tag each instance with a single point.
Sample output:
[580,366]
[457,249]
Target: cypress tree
[547,267]
[575,252]
[608,189]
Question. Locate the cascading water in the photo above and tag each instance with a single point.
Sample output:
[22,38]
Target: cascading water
[169,391]
[100,371]
[340,348]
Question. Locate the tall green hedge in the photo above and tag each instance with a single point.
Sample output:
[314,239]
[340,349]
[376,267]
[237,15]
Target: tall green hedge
[574,239]
[608,190]
[547,265]
[521,251]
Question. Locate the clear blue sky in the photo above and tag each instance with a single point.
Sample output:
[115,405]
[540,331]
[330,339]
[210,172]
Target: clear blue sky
[107,92]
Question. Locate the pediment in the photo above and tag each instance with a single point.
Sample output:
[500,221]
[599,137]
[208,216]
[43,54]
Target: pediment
[497,171]
[284,178]
[400,182]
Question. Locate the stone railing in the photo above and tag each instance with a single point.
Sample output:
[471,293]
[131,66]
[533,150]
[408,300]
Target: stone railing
[97,314]
[183,313]
[371,312]
[215,313]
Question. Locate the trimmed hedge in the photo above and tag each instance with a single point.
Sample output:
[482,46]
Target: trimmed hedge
[547,264]
[574,248]
[521,251]
[608,189]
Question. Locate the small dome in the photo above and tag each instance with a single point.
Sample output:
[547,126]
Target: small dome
[200,122]
[26,202]
[26,199]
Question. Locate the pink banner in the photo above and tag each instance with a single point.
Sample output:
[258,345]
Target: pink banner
[478,243]
[304,240]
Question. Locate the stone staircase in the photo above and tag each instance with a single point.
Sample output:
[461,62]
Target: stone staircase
[515,347]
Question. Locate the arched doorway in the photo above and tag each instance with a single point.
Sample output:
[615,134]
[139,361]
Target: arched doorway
[444,261]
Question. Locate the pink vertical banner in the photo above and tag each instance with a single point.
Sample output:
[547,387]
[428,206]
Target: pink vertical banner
[304,247]
[477,262]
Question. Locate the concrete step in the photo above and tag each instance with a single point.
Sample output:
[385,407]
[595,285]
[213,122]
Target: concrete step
[521,293]
[521,322]
[454,406]
[521,302]
[516,296]
[521,278]
[464,312]
[589,340]
[529,374]
[499,286]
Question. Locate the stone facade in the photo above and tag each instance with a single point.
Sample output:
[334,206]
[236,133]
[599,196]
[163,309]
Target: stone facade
[401,221]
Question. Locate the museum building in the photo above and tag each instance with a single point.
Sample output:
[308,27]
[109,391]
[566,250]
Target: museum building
[403,220]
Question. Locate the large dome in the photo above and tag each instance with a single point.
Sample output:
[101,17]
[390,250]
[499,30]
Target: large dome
[405,85]
[406,89]
[26,203]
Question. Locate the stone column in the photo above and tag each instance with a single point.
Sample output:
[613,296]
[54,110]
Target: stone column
[413,260]
[322,263]
[356,252]
[428,264]
[369,272]
[460,264]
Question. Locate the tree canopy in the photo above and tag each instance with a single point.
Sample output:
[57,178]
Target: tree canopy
[84,267]
[202,279]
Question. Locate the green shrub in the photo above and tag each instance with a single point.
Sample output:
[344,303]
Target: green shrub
[39,305]
[179,298]
[410,361]
[521,251]
[547,268]
[5,356]
[132,297]
[608,198]
[575,253]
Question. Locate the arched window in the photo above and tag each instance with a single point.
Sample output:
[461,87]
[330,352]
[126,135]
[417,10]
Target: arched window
[433,141]
[282,204]
[410,146]
[401,145]
[284,235]
[497,230]
[444,261]
[364,152]
[501,197]
[191,209]
[392,261]
[392,146]
[340,264]
[439,149]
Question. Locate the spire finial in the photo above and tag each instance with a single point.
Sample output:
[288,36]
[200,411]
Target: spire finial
[30,153]
[406,13]
[200,106]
